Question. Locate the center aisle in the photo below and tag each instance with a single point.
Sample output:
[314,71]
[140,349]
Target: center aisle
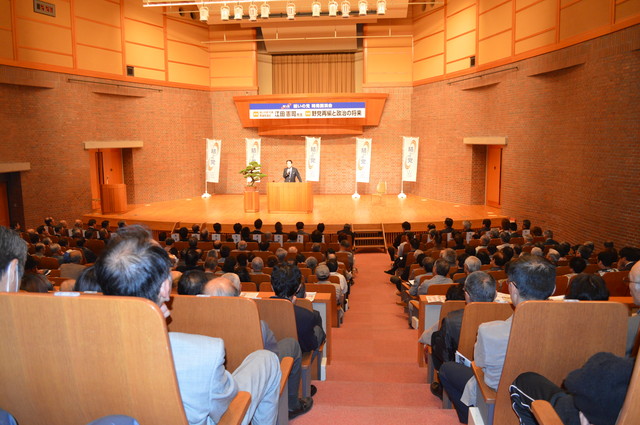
[374,377]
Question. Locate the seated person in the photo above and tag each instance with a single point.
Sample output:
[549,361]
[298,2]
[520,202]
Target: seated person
[587,287]
[530,277]
[134,265]
[593,394]
[606,260]
[191,282]
[634,320]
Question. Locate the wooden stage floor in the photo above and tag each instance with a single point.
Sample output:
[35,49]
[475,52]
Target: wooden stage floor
[333,210]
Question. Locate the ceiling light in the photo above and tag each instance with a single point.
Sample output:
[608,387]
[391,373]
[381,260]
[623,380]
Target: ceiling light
[382,7]
[291,10]
[346,8]
[362,7]
[238,11]
[333,8]
[204,13]
[253,12]
[224,12]
[264,10]
[316,9]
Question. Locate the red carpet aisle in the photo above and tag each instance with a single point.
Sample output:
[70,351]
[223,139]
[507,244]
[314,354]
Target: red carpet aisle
[374,378]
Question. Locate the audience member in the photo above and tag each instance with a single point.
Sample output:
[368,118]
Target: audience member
[587,287]
[530,278]
[191,282]
[133,265]
[634,320]
[73,268]
[86,282]
[606,259]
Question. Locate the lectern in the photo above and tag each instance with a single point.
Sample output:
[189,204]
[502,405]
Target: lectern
[290,197]
[114,198]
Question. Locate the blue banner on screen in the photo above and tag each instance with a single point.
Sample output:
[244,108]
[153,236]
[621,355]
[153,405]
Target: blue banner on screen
[274,111]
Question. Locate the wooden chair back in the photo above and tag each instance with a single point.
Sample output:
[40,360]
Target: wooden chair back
[440,289]
[560,270]
[47,263]
[305,303]
[448,307]
[474,315]
[617,283]
[248,287]
[279,315]
[497,274]
[343,257]
[95,245]
[262,254]
[312,279]
[233,319]
[265,287]
[317,255]
[259,278]
[562,285]
[109,354]
[334,279]
[554,338]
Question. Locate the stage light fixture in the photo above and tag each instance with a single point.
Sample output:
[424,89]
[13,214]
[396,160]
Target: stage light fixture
[333,8]
[316,9]
[253,12]
[382,7]
[264,10]
[363,6]
[224,12]
[238,11]
[291,11]
[346,8]
[204,13]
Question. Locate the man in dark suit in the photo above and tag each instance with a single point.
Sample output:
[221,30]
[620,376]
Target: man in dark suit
[291,173]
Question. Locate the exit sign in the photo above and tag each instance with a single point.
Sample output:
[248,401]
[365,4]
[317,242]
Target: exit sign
[44,8]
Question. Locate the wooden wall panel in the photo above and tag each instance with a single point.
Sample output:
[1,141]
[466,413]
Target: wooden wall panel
[6,44]
[390,60]
[627,9]
[99,60]
[150,74]
[495,20]
[98,35]
[485,5]
[144,33]
[429,46]
[427,68]
[187,53]
[461,47]
[428,24]
[24,9]
[5,14]
[535,19]
[583,16]
[232,69]
[189,74]
[540,40]
[48,58]
[98,10]
[187,32]
[144,56]
[152,15]
[455,6]
[494,48]
[461,22]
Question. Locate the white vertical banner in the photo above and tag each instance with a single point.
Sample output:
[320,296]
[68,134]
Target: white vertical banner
[409,158]
[253,150]
[312,159]
[363,159]
[213,160]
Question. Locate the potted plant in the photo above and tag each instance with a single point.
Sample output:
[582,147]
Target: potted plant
[252,172]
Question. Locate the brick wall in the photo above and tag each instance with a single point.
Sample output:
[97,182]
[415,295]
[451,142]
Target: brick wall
[572,159]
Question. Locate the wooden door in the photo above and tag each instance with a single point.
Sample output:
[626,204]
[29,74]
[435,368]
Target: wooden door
[494,175]
[4,205]
[106,167]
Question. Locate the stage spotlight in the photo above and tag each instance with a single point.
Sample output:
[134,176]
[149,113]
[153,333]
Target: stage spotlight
[363,6]
[291,11]
[253,12]
[204,13]
[264,10]
[316,9]
[238,12]
[382,7]
[333,8]
[224,13]
[346,8]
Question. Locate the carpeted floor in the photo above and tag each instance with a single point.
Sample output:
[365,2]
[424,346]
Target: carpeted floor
[374,378]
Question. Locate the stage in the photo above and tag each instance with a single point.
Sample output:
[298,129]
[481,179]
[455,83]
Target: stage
[333,210]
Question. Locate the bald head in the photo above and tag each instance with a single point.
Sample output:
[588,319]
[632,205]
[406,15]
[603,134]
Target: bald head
[220,287]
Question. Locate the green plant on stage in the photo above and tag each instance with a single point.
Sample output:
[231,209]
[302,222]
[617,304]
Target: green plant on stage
[252,173]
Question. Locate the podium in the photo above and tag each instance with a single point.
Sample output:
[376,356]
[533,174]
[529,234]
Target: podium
[114,198]
[290,197]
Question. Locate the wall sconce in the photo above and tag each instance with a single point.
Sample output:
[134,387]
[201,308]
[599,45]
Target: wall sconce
[363,6]
[264,10]
[333,8]
[382,7]
[253,12]
[238,11]
[346,8]
[204,13]
[291,10]
[316,9]
[224,12]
